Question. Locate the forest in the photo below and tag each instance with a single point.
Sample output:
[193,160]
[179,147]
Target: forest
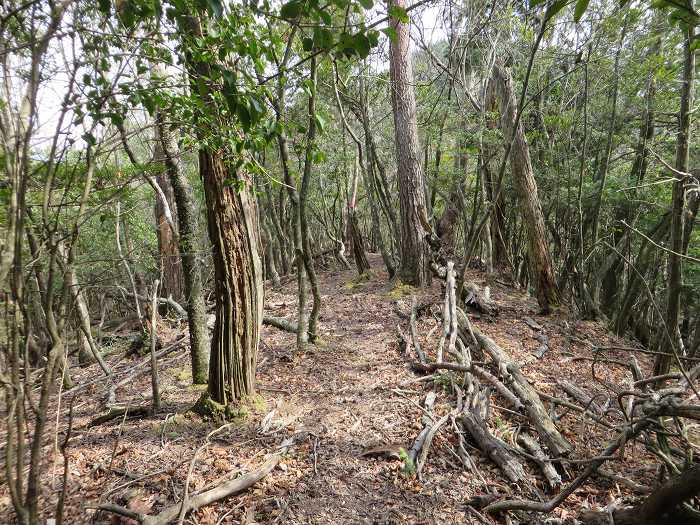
[347,261]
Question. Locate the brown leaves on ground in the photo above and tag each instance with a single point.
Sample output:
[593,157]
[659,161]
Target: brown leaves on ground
[350,393]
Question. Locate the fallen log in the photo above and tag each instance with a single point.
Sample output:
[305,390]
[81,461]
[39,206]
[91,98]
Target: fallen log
[516,380]
[533,448]
[495,449]
[473,297]
[280,323]
[114,412]
[581,396]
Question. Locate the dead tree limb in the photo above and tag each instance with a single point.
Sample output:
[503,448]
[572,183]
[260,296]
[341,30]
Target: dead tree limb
[543,462]
[515,379]
[627,433]
[428,422]
[581,396]
[483,374]
[494,448]
[224,490]
[414,330]
[423,455]
[449,314]
[280,323]
[662,506]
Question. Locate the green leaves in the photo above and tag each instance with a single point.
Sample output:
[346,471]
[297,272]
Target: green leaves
[581,6]
[390,32]
[323,38]
[554,8]
[89,138]
[320,122]
[292,10]
[215,7]
[358,44]
[398,13]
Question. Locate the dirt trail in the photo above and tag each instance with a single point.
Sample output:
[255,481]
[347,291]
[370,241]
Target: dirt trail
[351,391]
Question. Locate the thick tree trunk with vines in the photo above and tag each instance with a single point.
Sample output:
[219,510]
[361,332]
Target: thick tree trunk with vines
[413,248]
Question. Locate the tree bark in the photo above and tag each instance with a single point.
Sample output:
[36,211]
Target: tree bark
[307,255]
[540,260]
[233,231]
[232,221]
[675,277]
[413,248]
[188,235]
[172,284]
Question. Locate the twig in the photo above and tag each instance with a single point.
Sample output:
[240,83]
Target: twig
[154,336]
[64,452]
[414,330]
[116,441]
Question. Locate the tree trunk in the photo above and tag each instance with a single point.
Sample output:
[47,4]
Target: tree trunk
[306,254]
[675,277]
[413,248]
[541,269]
[233,231]
[188,235]
[172,284]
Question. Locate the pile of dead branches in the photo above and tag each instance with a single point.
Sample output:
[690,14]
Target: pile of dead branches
[645,412]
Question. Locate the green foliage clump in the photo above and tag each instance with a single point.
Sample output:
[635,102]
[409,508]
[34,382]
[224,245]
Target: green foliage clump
[359,280]
[401,290]
[409,467]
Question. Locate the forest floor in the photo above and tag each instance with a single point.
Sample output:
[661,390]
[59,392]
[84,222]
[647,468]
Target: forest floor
[352,391]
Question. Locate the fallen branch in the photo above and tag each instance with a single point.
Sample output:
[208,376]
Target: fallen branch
[626,434]
[224,490]
[423,455]
[579,395]
[414,330]
[661,506]
[477,371]
[490,445]
[428,422]
[543,462]
[280,323]
[539,417]
[630,484]
[116,411]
